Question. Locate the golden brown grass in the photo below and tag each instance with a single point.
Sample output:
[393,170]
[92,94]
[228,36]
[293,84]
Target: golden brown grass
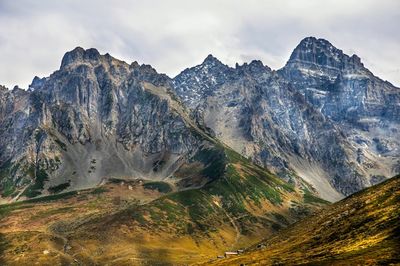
[363,229]
[126,224]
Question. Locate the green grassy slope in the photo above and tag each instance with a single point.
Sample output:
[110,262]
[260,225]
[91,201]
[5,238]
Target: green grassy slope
[239,203]
[362,229]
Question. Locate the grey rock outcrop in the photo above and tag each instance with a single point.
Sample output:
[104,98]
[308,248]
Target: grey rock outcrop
[320,117]
[323,118]
[365,108]
[96,117]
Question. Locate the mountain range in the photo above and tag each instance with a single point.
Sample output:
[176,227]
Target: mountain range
[323,116]
[109,162]
[322,121]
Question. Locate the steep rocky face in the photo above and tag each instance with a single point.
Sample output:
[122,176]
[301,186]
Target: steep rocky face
[94,118]
[339,85]
[15,131]
[300,120]
[319,59]
[365,108]
[140,168]
[259,114]
[195,84]
[323,117]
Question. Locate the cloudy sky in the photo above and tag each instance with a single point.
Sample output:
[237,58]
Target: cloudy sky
[173,35]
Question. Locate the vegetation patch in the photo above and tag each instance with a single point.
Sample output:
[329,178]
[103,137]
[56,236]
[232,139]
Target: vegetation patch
[359,229]
[235,157]
[214,161]
[7,188]
[58,188]
[61,144]
[310,198]
[8,208]
[55,197]
[7,171]
[35,189]
[161,187]
[99,190]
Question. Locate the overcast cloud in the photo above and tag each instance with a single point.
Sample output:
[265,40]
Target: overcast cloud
[173,35]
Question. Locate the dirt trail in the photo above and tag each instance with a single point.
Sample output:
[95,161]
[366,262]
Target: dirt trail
[234,226]
[21,192]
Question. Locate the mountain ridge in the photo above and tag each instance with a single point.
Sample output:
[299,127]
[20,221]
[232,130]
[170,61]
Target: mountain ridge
[337,78]
[119,164]
[258,121]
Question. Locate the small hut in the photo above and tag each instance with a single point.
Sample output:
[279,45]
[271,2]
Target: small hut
[230,253]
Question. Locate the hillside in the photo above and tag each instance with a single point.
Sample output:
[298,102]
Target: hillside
[362,229]
[144,222]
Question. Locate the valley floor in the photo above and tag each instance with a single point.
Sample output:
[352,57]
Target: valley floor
[142,222]
[39,231]
[80,228]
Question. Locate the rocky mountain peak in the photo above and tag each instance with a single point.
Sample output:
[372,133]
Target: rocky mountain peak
[134,65]
[356,61]
[3,88]
[16,88]
[255,66]
[321,98]
[148,73]
[257,63]
[322,53]
[79,55]
[211,60]
[36,83]
[195,83]
[316,63]
[312,45]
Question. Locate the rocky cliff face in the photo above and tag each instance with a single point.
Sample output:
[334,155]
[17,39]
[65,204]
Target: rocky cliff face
[339,85]
[193,85]
[362,106]
[94,118]
[324,116]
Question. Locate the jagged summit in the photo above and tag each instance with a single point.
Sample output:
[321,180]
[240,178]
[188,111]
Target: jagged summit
[321,95]
[198,81]
[317,63]
[3,88]
[79,54]
[255,66]
[36,83]
[309,41]
[91,55]
[321,52]
[261,113]
[210,59]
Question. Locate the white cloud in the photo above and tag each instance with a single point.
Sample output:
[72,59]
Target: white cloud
[173,35]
